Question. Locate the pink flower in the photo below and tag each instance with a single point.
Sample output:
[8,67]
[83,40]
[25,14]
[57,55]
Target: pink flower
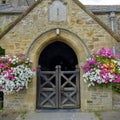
[117,80]
[5,66]
[22,58]
[30,63]
[33,69]
[107,80]
[103,50]
[92,61]
[101,66]
[103,71]
[115,76]
[0,65]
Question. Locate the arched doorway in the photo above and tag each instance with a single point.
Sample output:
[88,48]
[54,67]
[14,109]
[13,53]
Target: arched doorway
[58,53]
[58,77]
[40,43]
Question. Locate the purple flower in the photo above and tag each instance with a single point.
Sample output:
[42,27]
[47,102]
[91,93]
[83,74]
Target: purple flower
[107,79]
[117,80]
[92,61]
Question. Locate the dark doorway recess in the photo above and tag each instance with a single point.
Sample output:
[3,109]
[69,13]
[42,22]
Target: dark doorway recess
[58,53]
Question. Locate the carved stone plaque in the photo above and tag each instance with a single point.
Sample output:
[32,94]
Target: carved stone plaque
[57,11]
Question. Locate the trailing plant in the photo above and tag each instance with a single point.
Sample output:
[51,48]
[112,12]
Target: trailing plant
[15,73]
[103,69]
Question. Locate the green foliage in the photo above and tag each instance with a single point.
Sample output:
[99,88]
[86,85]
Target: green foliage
[23,114]
[97,113]
[116,87]
[0,30]
[2,51]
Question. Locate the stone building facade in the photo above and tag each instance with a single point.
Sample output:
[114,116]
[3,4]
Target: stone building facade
[110,15]
[65,23]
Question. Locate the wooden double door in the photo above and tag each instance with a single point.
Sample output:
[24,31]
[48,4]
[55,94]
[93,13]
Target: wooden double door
[58,89]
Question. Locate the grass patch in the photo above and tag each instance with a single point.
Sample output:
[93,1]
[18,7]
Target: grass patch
[98,115]
[22,115]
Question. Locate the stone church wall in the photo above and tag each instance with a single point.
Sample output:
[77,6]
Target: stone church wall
[21,37]
[116,101]
[6,20]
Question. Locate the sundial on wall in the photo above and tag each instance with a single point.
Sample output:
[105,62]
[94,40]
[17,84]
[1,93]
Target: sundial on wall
[57,11]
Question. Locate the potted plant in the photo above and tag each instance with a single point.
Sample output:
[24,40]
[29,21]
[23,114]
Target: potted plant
[15,73]
[102,69]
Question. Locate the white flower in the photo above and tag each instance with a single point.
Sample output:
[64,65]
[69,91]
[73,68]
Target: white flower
[88,59]
[19,77]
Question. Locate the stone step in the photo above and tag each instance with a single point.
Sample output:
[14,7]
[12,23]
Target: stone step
[59,116]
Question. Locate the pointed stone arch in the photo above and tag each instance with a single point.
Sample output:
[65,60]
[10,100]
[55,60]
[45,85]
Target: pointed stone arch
[60,34]
[50,36]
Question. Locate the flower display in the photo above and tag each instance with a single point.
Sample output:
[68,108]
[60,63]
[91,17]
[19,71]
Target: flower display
[15,73]
[102,69]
